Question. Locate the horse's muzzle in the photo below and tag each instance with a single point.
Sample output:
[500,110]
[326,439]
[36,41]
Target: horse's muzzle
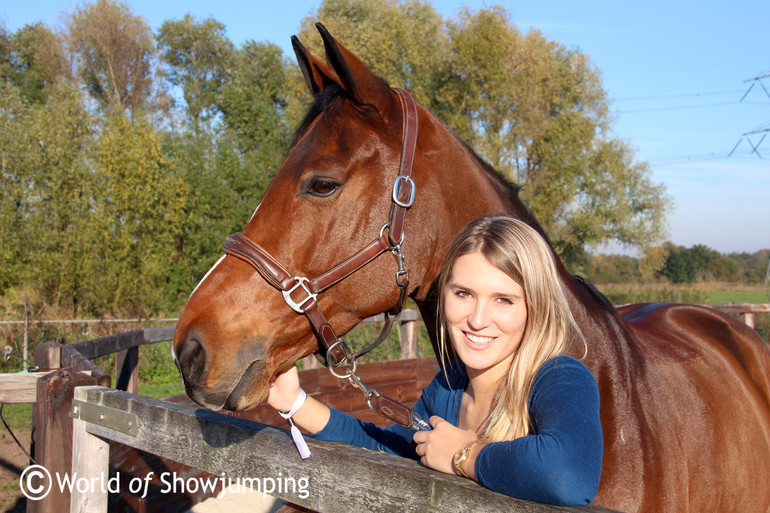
[218,385]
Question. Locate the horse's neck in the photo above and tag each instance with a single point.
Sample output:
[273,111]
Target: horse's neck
[469,188]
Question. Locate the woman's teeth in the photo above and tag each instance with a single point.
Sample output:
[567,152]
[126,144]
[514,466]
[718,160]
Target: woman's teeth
[479,340]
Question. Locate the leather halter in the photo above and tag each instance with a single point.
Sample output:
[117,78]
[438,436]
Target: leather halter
[240,246]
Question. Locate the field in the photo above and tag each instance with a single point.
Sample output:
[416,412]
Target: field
[706,293]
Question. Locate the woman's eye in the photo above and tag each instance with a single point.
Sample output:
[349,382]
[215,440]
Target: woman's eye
[323,188]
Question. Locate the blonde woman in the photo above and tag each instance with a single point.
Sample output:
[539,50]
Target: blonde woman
[512,411]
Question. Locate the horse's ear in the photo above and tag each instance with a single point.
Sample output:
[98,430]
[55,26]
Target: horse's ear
[316,72]
[363,86]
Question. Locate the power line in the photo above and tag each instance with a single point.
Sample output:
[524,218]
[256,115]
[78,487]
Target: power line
[680,95]
[763,129]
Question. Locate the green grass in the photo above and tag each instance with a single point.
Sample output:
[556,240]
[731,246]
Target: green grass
[162,390]
[18,416]
[726,297]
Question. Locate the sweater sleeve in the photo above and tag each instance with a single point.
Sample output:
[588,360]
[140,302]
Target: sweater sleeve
[560,461]
[394,439]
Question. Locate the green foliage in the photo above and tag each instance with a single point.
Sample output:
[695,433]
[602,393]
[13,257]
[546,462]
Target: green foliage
[35,59]
[198,55]
[672,264]
[107,212]
[138,215]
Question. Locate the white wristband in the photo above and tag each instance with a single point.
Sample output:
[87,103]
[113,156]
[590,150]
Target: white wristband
[298,402]
[302,447]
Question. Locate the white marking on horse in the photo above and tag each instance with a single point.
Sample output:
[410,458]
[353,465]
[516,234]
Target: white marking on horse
[207,275]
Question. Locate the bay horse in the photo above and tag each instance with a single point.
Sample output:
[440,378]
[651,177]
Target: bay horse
[685,390]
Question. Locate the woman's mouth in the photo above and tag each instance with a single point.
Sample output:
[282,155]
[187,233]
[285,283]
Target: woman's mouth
[478,341]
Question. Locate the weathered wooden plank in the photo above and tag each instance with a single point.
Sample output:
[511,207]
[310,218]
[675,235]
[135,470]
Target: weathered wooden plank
[127,370]
[121,341]
[336,477]
[71,357]
[19,387]
[90,464]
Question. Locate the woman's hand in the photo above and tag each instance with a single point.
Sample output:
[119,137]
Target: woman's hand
[312,416]
[437,448]
[284,390]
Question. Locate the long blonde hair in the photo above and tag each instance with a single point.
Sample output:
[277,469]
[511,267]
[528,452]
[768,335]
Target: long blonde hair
[520,252]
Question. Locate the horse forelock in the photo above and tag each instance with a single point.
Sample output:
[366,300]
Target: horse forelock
[323,102]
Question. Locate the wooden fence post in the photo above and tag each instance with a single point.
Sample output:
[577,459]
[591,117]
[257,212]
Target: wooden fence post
[53,434]
[92,465]
[407,333]
[127,370]
[48,355]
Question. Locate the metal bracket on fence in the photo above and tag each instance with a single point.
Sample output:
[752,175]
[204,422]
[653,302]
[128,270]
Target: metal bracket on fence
[111,418]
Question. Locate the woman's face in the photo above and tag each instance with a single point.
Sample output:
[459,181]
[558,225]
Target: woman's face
[485,313]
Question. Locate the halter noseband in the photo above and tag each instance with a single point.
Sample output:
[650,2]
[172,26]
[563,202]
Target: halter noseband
[240,246]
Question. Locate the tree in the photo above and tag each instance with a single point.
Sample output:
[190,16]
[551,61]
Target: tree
[534,110]
[198,55]
[114,50]
[683,265]
[46,194]
[404,42]
[537,112]
[38,60]
[253,101]
[725,269]
[138,214]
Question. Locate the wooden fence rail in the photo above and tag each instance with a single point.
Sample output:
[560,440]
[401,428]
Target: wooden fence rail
[336,477]
[217,443]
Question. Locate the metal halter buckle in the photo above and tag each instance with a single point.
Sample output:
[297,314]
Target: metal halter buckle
[397,189]
[297,307]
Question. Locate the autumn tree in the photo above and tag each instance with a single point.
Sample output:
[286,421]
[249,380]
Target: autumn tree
[114,52]
[403,42]
[38,59]
[198,54]
[537,112]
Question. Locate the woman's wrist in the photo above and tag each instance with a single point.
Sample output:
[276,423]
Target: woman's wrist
[298,402]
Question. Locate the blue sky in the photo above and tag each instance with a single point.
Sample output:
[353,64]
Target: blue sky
[675,72]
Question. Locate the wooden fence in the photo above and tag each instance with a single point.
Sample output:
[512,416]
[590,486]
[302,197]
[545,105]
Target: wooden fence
[76,414]
[81,425]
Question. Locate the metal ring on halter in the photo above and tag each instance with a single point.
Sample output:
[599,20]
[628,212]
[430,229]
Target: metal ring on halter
[353,363]
[384,226]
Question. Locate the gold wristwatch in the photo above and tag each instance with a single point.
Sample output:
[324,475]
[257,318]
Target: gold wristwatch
[461,456]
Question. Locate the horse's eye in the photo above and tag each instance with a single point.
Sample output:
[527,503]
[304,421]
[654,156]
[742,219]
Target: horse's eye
[323,188]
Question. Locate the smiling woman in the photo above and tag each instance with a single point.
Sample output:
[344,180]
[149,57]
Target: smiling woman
[513,412]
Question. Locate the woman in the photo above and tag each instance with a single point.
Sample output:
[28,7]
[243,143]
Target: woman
[512,412]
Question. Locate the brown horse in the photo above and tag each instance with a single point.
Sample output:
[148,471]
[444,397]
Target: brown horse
[685,391]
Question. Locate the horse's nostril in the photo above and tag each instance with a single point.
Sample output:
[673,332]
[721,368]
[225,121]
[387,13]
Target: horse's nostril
[192,358]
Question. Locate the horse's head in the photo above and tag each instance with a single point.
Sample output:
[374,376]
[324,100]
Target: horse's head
[330,198]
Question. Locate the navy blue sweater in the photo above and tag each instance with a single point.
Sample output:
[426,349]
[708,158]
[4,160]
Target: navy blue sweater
[559,462]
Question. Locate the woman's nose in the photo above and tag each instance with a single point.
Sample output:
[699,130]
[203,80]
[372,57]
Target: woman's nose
[479,316]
